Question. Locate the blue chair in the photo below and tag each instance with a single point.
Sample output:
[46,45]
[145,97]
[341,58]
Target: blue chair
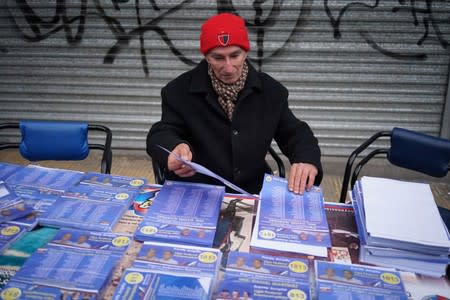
[59,140]
[408,149]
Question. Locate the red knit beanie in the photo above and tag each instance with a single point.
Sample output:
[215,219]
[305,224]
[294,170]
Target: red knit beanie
[223,30]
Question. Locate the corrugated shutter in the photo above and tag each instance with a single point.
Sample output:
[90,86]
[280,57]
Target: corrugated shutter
[351,67]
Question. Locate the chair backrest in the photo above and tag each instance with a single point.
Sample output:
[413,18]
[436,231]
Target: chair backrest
[159,171]
[408,149]
[59,140]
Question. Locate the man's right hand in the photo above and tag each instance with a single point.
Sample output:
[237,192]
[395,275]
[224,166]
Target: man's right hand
[177,166]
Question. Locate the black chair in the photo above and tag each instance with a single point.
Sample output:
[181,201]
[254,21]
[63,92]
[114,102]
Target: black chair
[59,140]
[407,149]
[159,171]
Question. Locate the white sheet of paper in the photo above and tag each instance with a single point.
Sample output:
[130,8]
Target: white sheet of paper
[402,210]
[201,169]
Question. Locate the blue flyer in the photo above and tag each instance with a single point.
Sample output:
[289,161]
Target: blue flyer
[48,178]
[138,284]
[73,238]
[93,178]
[69,268]
[256,288]
[242,263]
[337,281]
[294,222]
[83,214]
[101,193]
[7,169]
[185,213]
[180,259]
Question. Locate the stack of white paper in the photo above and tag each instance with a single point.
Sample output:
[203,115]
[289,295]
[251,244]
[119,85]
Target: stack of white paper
[400,226]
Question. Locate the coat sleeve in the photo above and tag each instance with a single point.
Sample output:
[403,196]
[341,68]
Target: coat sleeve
[168,132]
[297,141]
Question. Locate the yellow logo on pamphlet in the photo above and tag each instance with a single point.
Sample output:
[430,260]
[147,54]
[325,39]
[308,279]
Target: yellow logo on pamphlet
[134,278]
[267,234]
[207,257]
[296,294]
[11,293]
[149,230]
[10,230]
[136,182]
[390,278]
[298,266]
[122,196]
[121,241]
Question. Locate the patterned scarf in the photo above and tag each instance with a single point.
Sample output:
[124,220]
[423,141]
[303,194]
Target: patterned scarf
[228,92]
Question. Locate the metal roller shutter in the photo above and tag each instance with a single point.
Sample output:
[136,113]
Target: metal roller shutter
[351,67]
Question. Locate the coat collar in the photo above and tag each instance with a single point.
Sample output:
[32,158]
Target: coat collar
[201,83]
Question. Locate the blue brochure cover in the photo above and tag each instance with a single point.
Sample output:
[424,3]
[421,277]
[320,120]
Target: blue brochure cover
[184,213]
[238,287]
[7,169]
[336,281]
[102,193]
[243,263]
[48,178]
[26,291]
[73,238]
[83,214]
[179,259]
[9,233]
[296,221]
[72,268]
[137,284]
[260,276]
[93,178]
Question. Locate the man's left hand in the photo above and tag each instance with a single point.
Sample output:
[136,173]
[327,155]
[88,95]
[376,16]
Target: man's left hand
[301,177]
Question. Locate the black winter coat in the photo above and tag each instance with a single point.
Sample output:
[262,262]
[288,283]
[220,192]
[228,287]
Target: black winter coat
[236,149]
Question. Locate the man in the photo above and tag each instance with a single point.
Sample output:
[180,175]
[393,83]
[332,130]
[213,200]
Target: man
[223,114]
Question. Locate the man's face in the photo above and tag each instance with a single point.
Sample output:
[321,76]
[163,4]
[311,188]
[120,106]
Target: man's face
[348,274]
[227,62]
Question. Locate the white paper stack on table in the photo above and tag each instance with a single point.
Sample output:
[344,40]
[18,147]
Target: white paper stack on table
[400,226]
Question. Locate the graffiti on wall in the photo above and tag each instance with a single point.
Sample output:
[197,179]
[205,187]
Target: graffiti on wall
[34,23]
[427,21]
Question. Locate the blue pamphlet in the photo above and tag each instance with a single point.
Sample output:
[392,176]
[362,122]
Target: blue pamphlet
[7,169]
[351,281]
[137,284]
[179,259]
[45,178]
[93,178]
[291,221]
[183,213]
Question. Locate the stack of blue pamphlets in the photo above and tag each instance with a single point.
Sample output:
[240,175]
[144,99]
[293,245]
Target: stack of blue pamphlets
[415,240]
[170,271]
[89,207]
[75,262]
[183,213]
[351,281]
[291,222]
[45,179]
[261,277]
